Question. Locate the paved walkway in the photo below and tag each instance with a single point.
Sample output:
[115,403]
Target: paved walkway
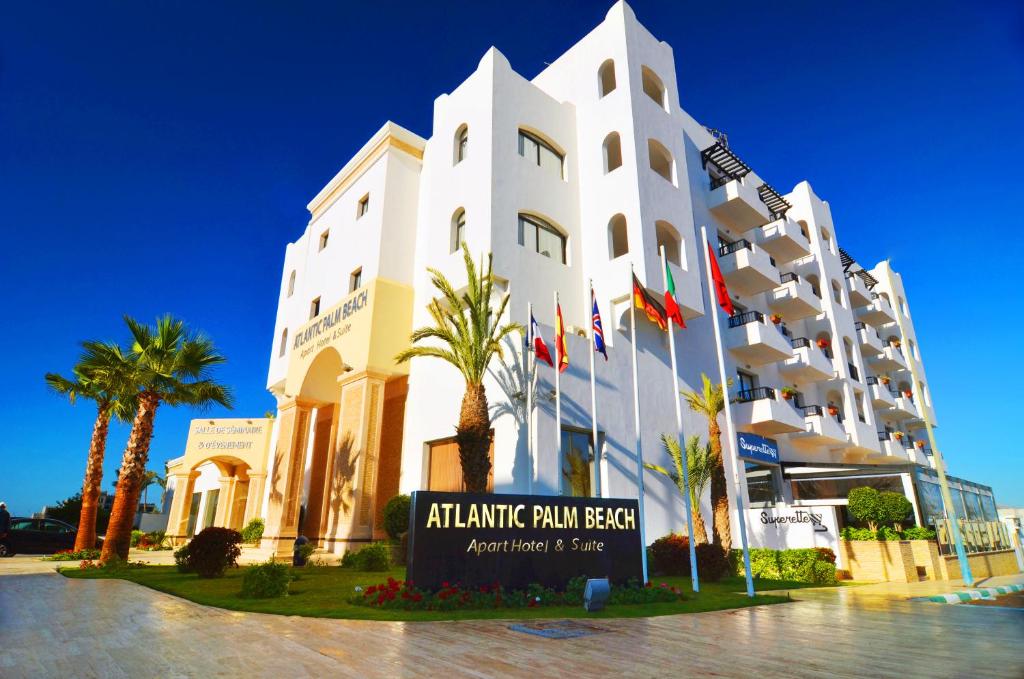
[54,627]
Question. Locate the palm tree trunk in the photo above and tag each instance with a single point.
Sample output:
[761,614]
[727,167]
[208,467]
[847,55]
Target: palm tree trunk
[86,537]
[473,436]
[126,498]
[700,530]
[719,491]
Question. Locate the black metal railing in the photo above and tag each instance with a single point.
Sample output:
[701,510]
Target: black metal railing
[871,380]
[800,342]
[860,416]
[883,436]
[720,181]
[908,441]
[854,373]
[859,325]
[784,330]
[746,317]
[755,394]
[789,277]
[810,411]
[729,248]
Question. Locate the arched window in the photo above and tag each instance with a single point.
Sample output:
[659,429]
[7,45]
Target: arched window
[618,240]
[461,144]
[824,342]
[827,240]
[284,343]
[661,160]
[541,237]
[834,399]
[653,86]
[544,154]
[606,77]
[668,238]
[612,152]
[913,350]
[803,229]
[925,396]
[458,229]
[837,292]
[812,280]
[903,307]
[291,283]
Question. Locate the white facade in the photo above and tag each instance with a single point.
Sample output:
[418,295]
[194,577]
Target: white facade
[633,177]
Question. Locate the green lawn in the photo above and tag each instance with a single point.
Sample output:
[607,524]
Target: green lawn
[323,593]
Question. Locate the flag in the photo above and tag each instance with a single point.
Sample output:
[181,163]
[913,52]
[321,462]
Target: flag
[646,301]
[721,290]
[560,349]
[672,309]
[596,329]
[540,348]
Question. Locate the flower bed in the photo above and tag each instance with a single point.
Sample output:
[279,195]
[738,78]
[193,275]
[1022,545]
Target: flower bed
[72,555]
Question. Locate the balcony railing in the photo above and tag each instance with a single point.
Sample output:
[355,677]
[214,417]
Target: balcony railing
[871,380]
[746,317]
[729,248]
[755,394]
[811,411]
[789,277]
[800,342]
[853,371]
[883,436]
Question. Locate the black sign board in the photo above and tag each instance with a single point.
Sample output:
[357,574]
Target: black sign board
[516,540]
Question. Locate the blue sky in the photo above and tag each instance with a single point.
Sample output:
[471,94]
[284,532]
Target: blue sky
[156,157]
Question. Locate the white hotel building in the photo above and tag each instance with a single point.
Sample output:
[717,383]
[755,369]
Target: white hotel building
[578,174]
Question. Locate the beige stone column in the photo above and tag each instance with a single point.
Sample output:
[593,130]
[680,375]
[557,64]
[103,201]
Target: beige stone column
[286,476]
[254,501]
[225,501]
[177,518]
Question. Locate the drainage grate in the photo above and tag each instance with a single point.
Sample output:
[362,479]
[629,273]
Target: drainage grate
[558,629]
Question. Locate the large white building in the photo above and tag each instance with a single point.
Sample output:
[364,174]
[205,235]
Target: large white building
[576,175]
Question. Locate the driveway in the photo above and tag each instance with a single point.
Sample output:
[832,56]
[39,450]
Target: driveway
[54,627]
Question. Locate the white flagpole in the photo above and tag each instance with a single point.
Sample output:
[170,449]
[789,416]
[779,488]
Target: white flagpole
[529,364]
[694,579]
[636,424]
[593,396]
[558,398]
[730,460]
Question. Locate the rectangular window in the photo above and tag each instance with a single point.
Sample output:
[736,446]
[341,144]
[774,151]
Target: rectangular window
[323,238]
[314,308]
[355,280]
[543,154]
[577,463]
[363,207]
[763,487]
[542,238]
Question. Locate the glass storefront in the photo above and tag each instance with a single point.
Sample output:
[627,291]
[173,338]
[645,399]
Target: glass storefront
[837,488]
[763,487]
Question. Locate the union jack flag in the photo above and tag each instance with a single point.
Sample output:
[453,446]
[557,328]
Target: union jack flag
[598,331]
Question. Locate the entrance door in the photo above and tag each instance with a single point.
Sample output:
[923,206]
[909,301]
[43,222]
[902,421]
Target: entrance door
[318,476]
[445,469]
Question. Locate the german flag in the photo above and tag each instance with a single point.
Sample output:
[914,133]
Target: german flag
[651,306]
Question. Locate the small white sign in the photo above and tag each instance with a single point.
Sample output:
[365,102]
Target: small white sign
[794,528]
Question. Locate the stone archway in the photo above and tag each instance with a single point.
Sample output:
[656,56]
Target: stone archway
[219,490]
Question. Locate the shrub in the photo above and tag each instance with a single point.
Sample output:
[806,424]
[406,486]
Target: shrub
[712,562]
[152,540]
[396,515]
[181,559]
[670,555]
[814,564]
[852,533]
[894,508]
[253,531]
[824,573]
[136,536]
[919,533]
[826,554]
[211,552]
[888,533]
[266,581]
[864,504]
[375,556]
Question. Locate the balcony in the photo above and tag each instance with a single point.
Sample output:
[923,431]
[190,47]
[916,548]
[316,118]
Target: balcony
[807,364]
[860,293]
[821,428]
[754,342]
[889,446]
[747,271]
[890,360]
[738,206]
[878,312]
[904,408]
[760,412]
[783,240]
[794,299]
[870,340]
[883,396]
[863,436]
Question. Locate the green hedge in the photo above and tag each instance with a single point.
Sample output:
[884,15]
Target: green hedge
[799,565]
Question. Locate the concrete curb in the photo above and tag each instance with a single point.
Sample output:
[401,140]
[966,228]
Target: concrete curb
[968,595]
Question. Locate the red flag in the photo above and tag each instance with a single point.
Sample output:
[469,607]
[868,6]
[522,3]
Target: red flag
[721,290]
[560,349]
[540,347]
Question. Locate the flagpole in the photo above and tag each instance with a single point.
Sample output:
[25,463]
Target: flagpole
[694,579]
[529,363]
[940,465]
[558,394]
[593,395]
[636,424]
[730,428]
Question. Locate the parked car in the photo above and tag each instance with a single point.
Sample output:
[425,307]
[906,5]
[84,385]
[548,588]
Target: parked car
[37,536]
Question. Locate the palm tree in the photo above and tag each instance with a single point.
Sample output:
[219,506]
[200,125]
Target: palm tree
[700,466]
[105,384]
[150,478]
[468,332]
[709,402]
[172,365]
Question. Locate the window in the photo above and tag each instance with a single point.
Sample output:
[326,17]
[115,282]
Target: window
[746,382]
[291,283]
[661,160]
[538,151]
[837,488]
[314,308]
[355,280]
[284,343]
[812,280]
[364,206]
[56,527]
[577,463]
[458,229]
[827,240]
[22,524]
[606,77]
[668,238]
[537,235]
[461,144]
[612,152]
[323,238]
[763,487]
[837,292]
[618,240]
[903,307]
[804,231]
[653,87]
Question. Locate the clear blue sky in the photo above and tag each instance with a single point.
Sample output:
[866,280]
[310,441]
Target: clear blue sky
[156,157]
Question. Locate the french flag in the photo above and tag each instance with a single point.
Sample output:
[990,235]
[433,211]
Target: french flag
[539,347]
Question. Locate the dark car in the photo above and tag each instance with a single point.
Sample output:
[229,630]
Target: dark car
[37,536]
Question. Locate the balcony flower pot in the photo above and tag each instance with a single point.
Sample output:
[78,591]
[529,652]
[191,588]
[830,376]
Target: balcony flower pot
[908,393]
[898,435]
[885,379]
[896,343]
[833,410]
[776,318]
[788,393]
[919,444]
[823,344]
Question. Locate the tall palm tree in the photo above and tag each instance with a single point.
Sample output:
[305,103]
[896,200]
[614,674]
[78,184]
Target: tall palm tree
[467,332]
[700,465]
[149,478]
[104,383]
[172,365]
[709,402]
